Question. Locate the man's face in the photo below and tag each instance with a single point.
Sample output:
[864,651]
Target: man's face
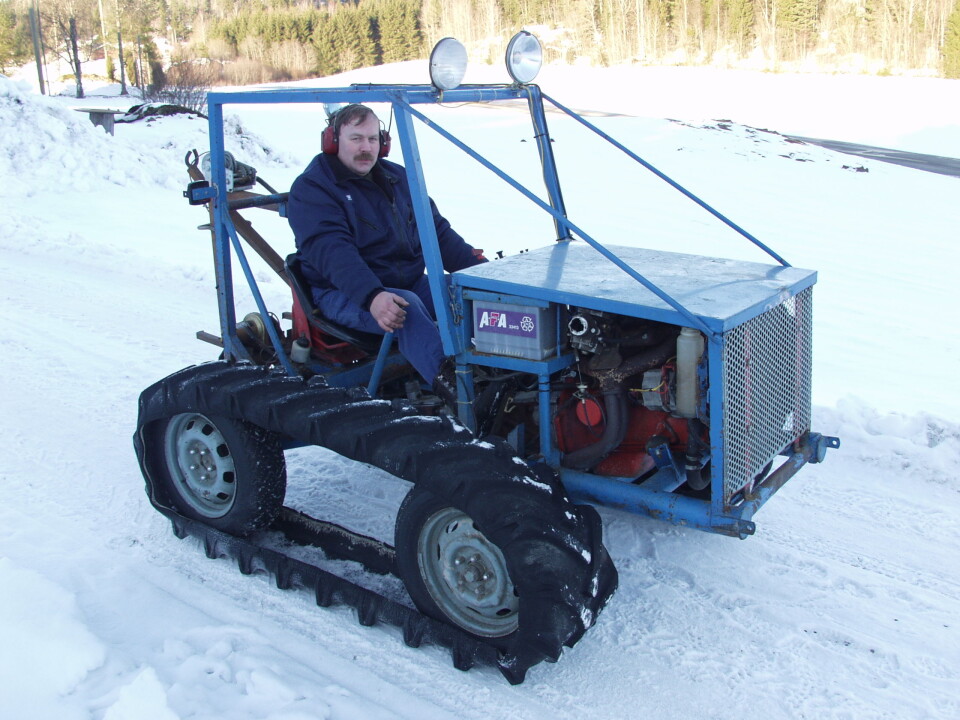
[359,145]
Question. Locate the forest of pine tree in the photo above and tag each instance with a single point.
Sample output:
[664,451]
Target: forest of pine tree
[216,41]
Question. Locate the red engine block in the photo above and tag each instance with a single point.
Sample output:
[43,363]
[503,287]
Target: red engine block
[581,422]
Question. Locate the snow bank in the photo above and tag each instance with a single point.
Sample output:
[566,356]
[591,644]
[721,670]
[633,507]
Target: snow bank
[48,146]
[45,146]
[46,648]
[923,447]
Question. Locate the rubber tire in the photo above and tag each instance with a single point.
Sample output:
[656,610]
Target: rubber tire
[259,477]
[560,586]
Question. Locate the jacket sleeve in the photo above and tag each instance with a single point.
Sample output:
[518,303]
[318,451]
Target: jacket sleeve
[454,250]
[325,239]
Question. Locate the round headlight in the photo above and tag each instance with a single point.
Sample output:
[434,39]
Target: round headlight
[524,57]
[448,63]
[331,108]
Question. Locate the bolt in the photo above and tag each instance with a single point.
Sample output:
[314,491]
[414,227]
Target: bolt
[194,467]
[193,451]
[486,576]
[458,561]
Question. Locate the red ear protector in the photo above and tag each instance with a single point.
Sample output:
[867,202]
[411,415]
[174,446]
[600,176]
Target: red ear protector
[329,140]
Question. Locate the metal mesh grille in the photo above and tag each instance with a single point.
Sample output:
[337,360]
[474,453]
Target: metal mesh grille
[766,388]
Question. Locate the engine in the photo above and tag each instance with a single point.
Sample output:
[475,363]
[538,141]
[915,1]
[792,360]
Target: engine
[632,402]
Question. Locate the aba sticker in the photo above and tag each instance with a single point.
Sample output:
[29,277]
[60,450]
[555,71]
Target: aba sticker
[506,322]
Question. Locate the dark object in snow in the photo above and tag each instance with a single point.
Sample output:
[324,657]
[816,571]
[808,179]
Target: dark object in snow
[102,117]
[156,109]
[857,168]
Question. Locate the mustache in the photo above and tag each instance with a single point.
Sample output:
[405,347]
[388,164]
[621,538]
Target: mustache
[364,156]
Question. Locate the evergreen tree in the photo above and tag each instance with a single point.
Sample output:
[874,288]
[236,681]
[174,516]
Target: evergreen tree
[326,53]
[398,22]
[742,28]
[351,34]
[951,44]
[15,44]
[799,23]
[270,36]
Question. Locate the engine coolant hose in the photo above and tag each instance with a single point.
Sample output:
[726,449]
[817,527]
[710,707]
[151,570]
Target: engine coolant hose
[613,390]
[696,478]
[615,406]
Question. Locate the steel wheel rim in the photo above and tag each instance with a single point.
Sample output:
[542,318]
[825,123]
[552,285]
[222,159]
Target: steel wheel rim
[200,464]
[466,575]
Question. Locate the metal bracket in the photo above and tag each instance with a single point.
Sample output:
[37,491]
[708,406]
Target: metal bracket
[819,444]
[199,192]
[664,459]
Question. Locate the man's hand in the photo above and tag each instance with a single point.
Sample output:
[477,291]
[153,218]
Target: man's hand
[387,309]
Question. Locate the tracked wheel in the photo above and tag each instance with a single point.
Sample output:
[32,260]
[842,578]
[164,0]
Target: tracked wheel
[511,562]
[226,472]
[533,574]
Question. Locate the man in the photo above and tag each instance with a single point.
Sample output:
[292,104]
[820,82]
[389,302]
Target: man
[357,241]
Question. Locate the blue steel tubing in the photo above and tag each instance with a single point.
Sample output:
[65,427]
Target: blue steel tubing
[673,508]
[547,160]
[228,319]
[221,249]
[716,213]
[424,217]
[261,306]
[548,447]
[808,451]
[715,419]
[465,395]
[379,364]
[694,320]
[416,94]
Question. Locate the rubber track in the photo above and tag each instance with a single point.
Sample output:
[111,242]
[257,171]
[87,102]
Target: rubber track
[331,590]
[386,434]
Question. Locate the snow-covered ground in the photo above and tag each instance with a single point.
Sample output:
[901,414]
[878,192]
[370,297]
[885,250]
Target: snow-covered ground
[846,604]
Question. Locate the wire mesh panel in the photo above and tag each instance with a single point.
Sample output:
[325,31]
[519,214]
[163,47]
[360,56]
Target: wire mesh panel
[767,366]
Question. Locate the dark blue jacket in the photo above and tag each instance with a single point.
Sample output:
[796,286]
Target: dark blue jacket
[358,234]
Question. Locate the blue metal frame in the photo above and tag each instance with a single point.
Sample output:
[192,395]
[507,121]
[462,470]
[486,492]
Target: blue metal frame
[753,289]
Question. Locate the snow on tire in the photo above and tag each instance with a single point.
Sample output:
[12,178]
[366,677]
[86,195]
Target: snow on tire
[511,561]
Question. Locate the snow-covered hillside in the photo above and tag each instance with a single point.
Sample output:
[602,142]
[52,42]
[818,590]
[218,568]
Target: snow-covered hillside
[844,605]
